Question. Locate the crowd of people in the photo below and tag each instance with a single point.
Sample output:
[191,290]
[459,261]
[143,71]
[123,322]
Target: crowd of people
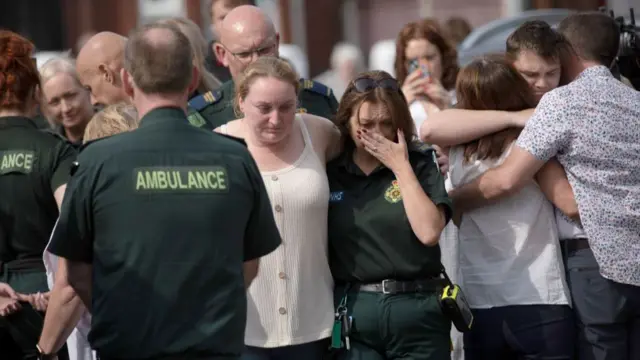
[169,212]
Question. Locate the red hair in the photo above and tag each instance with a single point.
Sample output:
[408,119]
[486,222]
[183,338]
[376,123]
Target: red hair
[19,76]
[429,30]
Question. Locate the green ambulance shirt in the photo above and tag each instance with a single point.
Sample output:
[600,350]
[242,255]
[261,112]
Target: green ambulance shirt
[167,214]
[370,238]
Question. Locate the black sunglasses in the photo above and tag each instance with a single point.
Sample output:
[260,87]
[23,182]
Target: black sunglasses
[368,84]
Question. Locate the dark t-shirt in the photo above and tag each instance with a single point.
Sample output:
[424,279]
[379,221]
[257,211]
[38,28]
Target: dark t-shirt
[370,238]
[167,214]
[33,165]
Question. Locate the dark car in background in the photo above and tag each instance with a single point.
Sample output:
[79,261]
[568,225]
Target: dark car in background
[491,37]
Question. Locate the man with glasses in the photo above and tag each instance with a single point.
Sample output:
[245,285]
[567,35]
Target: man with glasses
[247,33]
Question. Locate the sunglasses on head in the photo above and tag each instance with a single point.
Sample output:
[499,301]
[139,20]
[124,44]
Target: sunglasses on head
[368,84]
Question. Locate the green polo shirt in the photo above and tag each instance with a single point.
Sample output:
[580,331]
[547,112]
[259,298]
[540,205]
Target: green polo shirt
[33,164]
[167,214]
[370,238]
[214,109]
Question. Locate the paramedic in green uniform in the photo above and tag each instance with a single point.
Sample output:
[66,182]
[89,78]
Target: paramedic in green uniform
[247,33]
[387,208]
[34,168]
[162,228]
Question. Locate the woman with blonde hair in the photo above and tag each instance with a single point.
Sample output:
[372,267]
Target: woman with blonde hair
[65,102]
[290,303]
[114,119]
[208,82]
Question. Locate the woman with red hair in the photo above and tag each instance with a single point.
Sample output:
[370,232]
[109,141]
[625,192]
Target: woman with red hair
[34,168]
[427,66]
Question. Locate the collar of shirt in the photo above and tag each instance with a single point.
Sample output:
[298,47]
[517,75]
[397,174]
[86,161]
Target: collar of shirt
[594,71]
[345,161]
[16,121]
[163,115]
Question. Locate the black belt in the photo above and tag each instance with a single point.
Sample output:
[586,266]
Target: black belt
[572,245]
[390,286]
[183,356]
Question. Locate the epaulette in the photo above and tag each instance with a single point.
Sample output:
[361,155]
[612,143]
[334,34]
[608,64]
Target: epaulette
[203,100]
[419,146]
[236,139]
[316,87]
[426,151]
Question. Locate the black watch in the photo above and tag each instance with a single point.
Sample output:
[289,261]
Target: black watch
[43,356]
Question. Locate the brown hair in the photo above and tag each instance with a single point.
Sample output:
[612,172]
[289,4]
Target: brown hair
[593,36]
[113,119]
[536,36]
[492,83]
[19,77]
[208,81]
[457,29]
[264,66]
[159,66]
[395,102]
[426,29]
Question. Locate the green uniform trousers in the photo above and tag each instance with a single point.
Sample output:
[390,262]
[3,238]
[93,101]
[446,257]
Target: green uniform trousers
[19,332]
[396,326]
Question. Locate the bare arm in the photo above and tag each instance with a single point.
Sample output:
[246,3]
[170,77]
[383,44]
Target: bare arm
[553,182]
[250,270]
[59,195]
[79,277]
[326,136]
[64,312]
[426,219]
[457,126]
[504,180]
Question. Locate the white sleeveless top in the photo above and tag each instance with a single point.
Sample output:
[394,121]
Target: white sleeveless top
[291,300]
[509,250]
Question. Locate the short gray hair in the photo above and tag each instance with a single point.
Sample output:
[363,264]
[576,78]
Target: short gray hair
[58,65]
[159,65]
[347,52]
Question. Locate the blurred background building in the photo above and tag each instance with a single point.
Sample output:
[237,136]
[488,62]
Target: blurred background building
[314,26]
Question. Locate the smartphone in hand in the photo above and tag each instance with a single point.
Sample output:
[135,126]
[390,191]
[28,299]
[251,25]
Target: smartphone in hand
[415,65]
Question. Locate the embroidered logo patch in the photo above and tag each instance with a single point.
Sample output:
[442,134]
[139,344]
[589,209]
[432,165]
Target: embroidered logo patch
[393,194]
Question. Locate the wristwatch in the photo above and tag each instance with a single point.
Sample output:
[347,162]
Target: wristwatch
[43,356]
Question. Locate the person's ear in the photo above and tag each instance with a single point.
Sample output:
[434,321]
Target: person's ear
[195,80]
[107,74]
[127,83]
[241,103]
[36,103]
[220,52]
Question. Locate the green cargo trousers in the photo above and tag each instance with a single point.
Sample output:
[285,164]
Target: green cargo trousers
[19,332]
[396,326]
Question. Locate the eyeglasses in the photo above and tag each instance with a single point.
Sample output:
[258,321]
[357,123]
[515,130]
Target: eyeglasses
[246,56]
[368,84]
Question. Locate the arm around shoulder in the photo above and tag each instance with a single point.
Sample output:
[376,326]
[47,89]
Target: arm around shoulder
[326,132]
[458,126]
[553,182]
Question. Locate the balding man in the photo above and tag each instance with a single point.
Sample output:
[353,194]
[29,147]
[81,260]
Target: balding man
[163,226]
[99,63]
[246,34]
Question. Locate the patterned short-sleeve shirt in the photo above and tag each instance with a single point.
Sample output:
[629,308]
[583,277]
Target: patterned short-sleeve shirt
[592,125]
